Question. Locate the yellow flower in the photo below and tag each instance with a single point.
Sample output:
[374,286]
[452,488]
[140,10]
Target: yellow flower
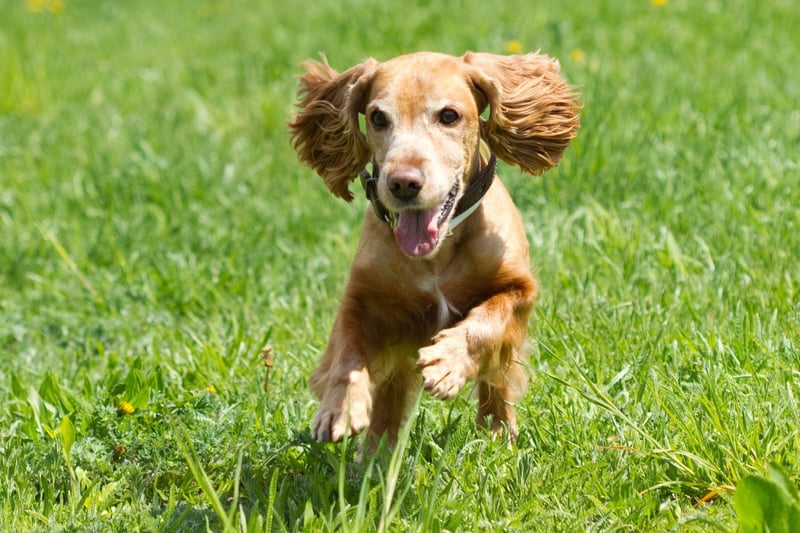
[211,389]
[514,47]
[658,3]
[125,408]
[577,55]
[38,6]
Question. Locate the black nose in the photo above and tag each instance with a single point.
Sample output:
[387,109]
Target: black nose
[405,183]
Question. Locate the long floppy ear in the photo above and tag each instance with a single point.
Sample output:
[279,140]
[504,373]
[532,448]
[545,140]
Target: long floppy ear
[534,113]
[325,131]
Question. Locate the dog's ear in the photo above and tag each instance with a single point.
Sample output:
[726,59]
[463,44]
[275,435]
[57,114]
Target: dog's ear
[325,131]
[534,113]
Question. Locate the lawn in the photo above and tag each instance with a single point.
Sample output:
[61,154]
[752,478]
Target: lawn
[160,242]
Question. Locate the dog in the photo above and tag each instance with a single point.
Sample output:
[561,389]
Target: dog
[441,289]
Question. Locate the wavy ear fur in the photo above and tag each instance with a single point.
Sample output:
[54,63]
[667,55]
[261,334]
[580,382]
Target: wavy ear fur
[534,113]
[325,131]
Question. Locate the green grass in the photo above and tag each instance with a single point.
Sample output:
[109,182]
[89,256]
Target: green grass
[156,231]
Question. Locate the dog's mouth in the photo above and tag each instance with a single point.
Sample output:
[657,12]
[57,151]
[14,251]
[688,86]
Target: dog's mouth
[418,231]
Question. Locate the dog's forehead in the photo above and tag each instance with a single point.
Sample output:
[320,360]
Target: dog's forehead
[421,77]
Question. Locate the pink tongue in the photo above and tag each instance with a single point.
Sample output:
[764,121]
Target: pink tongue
[417,232]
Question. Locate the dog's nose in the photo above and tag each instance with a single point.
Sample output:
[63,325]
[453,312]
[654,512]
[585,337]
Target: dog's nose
[405,183]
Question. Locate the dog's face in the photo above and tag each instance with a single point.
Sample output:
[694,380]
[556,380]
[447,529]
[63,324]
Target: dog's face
[422,129]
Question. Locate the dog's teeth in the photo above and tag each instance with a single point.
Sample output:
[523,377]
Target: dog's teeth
[447,205]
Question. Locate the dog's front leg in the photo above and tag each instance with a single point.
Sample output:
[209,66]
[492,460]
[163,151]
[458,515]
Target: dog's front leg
[342,383]
[486,342]
[487,345]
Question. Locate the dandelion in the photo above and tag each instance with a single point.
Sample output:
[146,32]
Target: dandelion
[34,6]
[211,389]
[577,55]
[39,6]
[514,46]
[125,408]
[658,3]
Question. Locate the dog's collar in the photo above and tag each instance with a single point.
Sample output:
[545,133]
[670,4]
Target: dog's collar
[469,202]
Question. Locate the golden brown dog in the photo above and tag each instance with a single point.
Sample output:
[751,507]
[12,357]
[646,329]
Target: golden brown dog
[440,290]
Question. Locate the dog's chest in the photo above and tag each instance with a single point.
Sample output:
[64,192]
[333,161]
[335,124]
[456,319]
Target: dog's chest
[443,311]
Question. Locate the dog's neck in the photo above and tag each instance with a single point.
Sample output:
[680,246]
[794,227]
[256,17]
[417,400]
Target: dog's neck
[476,190]
[477,186]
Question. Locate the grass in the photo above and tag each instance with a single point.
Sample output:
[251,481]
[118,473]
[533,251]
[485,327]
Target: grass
[157,231]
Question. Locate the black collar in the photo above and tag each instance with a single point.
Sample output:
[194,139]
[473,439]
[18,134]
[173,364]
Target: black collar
[476,189]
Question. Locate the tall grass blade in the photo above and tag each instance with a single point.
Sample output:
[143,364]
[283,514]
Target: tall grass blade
[202,479]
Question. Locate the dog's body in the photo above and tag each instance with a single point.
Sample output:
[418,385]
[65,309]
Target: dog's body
[439,292]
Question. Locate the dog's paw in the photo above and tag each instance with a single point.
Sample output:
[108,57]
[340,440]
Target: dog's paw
[497,429]
[332,425]
[446,365]
[342,413]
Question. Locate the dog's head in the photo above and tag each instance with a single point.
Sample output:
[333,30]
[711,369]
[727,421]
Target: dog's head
[422,129]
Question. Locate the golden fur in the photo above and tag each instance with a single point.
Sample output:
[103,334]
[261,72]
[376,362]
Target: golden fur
[427,304]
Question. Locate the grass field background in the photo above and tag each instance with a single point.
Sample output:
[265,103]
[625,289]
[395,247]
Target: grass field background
[156,231]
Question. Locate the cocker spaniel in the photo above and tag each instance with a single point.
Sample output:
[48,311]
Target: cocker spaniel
[441,289]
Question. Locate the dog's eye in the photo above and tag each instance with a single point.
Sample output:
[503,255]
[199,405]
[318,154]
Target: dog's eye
[448,116]
[378,119]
